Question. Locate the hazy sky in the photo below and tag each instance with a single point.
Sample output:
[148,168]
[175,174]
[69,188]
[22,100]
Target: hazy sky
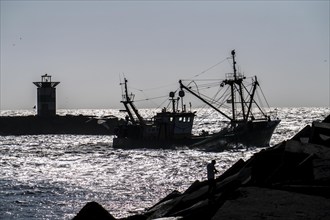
[89,45]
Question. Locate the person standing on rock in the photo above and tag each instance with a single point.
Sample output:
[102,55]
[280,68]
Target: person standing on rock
[211,171]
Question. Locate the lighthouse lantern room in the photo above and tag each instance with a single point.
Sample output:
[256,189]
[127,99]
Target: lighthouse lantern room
[46,96]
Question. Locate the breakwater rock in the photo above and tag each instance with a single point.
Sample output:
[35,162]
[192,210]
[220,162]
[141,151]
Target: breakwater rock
[68,124]
[288,181]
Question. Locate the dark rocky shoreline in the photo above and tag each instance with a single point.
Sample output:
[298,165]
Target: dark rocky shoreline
[68,124]
[290,180]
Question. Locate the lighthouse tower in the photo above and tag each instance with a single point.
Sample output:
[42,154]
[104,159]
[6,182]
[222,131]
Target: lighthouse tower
[46,106]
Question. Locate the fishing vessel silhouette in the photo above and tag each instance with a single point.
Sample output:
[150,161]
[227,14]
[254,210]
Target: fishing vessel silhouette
[248,123]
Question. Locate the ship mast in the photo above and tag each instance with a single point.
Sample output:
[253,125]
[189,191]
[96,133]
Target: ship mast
[128,103]
[231,83]
[235,82]
[238,81]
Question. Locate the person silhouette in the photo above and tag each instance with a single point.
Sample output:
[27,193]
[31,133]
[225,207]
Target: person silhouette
[211,171]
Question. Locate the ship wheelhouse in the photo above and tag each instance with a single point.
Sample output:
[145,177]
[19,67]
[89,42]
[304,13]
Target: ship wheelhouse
[174,125]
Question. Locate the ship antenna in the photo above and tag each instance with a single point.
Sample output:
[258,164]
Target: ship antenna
[126,91]
[234,63]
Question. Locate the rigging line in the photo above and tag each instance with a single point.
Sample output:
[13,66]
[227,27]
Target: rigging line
[201,73]
[216,94]
[264,97]
[223,94]
[133,88]
[260,108]
[148,99]
[248,95]
[154,88]
[224,104]
[201,80]
[223,98]
[259,99]
[215,100]
[161,104]
[213,84]
[204,96]
[198,88]
[169,103]
[211,100]
[195,85]
[202,88]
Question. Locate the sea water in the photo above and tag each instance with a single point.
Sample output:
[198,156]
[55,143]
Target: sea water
[54,176]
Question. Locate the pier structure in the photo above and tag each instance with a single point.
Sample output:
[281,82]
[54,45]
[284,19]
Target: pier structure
[46,96]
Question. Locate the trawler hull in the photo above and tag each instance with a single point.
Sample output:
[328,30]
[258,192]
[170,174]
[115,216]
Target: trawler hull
[256,134]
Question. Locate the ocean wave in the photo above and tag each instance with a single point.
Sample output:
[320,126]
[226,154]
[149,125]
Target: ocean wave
[53,176]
